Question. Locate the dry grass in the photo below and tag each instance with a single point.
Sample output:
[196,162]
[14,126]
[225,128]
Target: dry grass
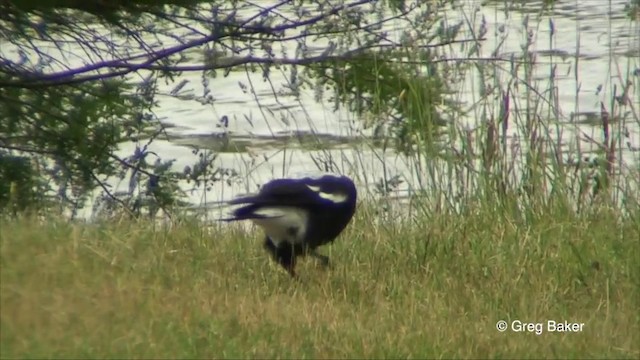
[430,289]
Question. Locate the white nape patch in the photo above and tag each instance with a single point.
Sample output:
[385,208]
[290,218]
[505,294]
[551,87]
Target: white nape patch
[280,220]
[335,197]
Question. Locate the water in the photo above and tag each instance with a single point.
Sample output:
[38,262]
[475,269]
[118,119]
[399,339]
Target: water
[591,42]
[264,129]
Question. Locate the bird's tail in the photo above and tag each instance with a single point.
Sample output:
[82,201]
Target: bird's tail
[253,212]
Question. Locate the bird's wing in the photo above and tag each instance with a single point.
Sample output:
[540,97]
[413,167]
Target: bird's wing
[282,192]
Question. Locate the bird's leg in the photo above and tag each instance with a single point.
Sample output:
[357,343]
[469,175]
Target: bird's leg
[270,247]
[324,260]
[284,254]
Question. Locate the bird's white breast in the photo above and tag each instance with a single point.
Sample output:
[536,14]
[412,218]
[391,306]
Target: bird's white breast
[283,223]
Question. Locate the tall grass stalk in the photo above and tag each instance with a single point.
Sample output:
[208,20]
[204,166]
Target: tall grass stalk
[521,150]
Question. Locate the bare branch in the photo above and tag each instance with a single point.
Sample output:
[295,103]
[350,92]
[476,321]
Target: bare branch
[126,65]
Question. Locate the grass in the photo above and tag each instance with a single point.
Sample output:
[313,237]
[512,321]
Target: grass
[433,288]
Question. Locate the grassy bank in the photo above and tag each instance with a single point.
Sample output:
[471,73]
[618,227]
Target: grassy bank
[434,288]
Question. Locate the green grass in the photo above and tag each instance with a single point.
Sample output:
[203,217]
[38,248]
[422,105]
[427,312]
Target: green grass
[434,288]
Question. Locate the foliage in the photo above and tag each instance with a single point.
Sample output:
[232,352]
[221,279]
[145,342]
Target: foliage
[79,78]
[632,9]
[373,85]
[17,185]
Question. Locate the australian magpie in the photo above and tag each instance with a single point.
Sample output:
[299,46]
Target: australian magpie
[299,215]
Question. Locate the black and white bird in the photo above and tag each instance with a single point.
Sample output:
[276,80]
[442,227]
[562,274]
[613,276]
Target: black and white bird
[299,215]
